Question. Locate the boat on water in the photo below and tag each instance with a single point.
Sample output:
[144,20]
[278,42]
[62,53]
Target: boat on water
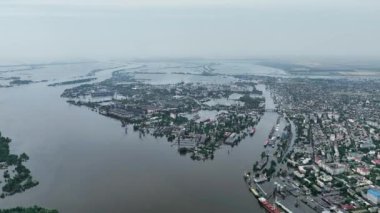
[266,142]
[247,175]
[253,130]
[254,191]
[269,207]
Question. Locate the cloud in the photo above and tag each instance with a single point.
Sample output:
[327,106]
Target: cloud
[182,28]
[70,8]
[165,3]
[128,3]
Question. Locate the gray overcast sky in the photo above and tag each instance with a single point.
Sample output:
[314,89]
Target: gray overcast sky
[58,29]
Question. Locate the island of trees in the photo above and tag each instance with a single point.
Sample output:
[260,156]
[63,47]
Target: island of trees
[17,178]
[83,80]
[34,209]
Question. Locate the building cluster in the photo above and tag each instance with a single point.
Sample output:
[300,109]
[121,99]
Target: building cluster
[336,155]
[199,117]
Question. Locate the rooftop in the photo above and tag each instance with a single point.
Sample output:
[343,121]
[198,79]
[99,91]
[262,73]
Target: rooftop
[374,192]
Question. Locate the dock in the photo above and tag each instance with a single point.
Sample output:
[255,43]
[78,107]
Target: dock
[261,189]
[283,207]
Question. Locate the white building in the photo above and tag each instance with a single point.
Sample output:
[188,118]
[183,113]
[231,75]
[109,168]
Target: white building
[332,168]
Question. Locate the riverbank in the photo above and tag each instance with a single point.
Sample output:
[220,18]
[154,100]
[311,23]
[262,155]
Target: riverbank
[34,209]
[270,179]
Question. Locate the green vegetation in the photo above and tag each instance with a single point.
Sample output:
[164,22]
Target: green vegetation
[255,166]
[251,102]
[263,155]
[20,82]
[272,168]
[34,209]
[4,148]
[20,182]
[84,80]
[21,179]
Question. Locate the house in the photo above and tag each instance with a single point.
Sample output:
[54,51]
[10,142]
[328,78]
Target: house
[363,171]
[325,178]
[298,174]
[187,143]
[376,161]
[232,139]
[373,195]
[367,145]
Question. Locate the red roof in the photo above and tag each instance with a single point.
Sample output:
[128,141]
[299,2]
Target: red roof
[347,206]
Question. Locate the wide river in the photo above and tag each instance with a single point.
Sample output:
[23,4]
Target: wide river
[86,162]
